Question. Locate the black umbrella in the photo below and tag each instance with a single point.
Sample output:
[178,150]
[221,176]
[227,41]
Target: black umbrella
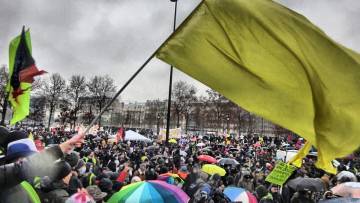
[157,157]
[233,149]
[311,184]
[97,139]
[228,161]
[150,147]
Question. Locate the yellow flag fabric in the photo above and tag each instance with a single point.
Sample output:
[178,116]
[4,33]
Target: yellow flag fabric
[21,105]
[31,136]
[273,62]
[298,158]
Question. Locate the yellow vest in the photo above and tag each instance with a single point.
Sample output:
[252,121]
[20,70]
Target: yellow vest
[31,192]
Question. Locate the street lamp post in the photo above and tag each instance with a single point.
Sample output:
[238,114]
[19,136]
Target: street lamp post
[227,123]
[158,124]
[170,85]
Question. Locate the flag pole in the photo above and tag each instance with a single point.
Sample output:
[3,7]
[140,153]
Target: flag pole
[119,92]
[4,110]
[170,86]
[6,99]
[137,72]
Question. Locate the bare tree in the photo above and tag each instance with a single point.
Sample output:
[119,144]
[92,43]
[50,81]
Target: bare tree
[101,89]
[183,95]
[53,90]
[4,77]
[75,91]
[240,116]
[37,110]
[36,86]
[189,109]
[66,115]
[155,111]
[218,106]
[251,119]
[88,116]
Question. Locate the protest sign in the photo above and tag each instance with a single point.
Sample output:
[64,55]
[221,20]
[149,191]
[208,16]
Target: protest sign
[280,173]
[174,133]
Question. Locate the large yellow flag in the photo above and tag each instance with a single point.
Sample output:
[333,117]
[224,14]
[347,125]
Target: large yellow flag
[273,62]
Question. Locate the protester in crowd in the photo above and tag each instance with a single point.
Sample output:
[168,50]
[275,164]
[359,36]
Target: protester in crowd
[263,195]
[104,167]
[21,167]
[55,191]
[76,164]
[95,192]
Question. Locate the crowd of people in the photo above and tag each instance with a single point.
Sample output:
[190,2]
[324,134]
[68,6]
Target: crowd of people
[92,168]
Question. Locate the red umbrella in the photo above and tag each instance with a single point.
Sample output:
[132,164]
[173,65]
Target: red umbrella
[207,158]
[257,144]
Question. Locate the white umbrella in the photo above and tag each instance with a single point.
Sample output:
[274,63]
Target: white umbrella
[228,161]
[134,136]
[183,153]
[200,144]
[346,174]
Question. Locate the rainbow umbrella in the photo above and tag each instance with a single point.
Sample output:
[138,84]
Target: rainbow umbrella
[212,169]
[170,178]
[153,191]
[237,194]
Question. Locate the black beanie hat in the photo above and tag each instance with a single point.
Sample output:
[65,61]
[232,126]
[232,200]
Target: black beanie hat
[62,169]
[261,191]
[72,159]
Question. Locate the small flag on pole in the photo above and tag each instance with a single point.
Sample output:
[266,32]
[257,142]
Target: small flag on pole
[22,71]
[120,135]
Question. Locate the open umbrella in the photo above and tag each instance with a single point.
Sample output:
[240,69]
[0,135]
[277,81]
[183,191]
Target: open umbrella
[153,191]
[341,200]
[170,178]
[183,153]
[348,189]
[257,144]
[157,157]
[97,139]
[143,158]
[311,184]
[228,161]
[346,174]
[207,158]
[173,141]
[212,169]
[183,175]
[152,147]
[200,144]
[233,149]
[236,194]
[206,149]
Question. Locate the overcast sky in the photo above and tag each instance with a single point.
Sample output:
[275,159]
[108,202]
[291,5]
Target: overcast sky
[94,37]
